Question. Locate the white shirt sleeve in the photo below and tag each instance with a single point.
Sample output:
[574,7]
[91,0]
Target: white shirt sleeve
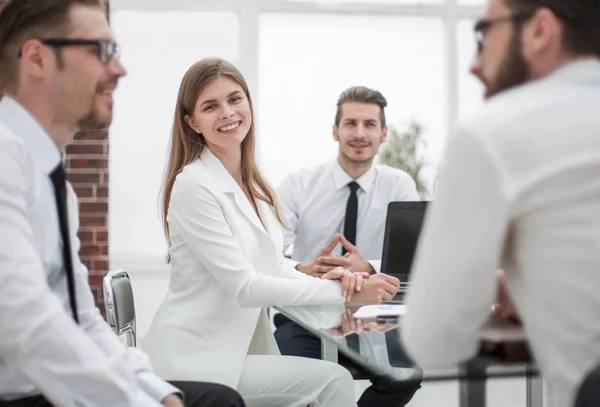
[287,269]
[39,338]
[202,224]
[453,278]
[98,329]
[289,194]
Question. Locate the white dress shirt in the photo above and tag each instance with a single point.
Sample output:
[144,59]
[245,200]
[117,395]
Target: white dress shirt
[42,350]
[520,190]
[313,203]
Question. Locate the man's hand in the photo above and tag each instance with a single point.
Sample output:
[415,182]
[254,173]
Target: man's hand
[325,262]
[172,401]
[309,266]
[352,260]
[378,288]
[351,282]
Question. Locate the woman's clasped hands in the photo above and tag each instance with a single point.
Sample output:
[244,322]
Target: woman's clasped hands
[363,287]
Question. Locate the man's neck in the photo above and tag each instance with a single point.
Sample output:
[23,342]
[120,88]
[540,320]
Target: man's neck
[60,133]
[353,169]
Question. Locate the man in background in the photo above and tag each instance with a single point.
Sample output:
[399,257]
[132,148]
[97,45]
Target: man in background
[337,212]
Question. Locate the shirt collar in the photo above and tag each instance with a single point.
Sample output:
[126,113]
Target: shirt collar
[14,116]
[342,179]
[586,70]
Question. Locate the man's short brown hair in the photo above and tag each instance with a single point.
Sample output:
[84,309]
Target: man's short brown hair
[580,20]
[361,94]
[21,20]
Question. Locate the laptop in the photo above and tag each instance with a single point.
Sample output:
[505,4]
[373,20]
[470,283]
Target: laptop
[402,230]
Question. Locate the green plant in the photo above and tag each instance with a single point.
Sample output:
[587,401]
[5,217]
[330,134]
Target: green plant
[403,150]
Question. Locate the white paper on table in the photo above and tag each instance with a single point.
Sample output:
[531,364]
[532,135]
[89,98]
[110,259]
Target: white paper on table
[379,310]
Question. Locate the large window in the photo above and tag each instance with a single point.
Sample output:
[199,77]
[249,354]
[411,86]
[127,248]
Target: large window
[379,1]
[471,2]
[470,89]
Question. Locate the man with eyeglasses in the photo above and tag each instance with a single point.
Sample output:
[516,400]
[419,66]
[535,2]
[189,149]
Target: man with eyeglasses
[59,68]
[519,190]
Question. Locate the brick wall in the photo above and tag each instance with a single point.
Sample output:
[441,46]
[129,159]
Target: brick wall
[87,170]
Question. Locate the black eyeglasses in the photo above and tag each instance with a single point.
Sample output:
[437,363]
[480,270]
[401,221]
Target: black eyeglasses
[106,48]
[484,25]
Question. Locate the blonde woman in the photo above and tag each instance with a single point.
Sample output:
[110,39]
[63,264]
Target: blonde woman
[225,247]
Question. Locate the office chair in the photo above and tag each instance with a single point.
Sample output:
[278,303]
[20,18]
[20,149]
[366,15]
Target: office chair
[118,302]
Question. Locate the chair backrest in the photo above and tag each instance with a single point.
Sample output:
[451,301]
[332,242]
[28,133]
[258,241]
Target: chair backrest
[588,394]
[118,301]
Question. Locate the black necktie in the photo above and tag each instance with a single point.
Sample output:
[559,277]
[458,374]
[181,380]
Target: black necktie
[60,193]
[350,234]
[351,215]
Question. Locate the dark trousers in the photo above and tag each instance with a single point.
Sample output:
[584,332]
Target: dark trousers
[195,394]
[293,340]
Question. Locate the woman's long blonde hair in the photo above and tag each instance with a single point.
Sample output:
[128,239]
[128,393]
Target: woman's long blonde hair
[187,145]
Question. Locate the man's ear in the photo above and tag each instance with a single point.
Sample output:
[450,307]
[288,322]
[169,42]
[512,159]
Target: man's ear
[542,32]
[384,134]
[33,57]
[335,133]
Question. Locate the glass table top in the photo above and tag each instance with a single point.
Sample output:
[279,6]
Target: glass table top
[370,336]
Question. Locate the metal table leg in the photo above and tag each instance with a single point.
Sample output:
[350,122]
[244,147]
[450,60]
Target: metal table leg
[472,388]
[535,390]
[329,351]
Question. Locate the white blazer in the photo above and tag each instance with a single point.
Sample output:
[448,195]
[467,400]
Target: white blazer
[225,266]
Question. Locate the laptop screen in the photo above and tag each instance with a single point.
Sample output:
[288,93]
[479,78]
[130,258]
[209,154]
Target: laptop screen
[403,227]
